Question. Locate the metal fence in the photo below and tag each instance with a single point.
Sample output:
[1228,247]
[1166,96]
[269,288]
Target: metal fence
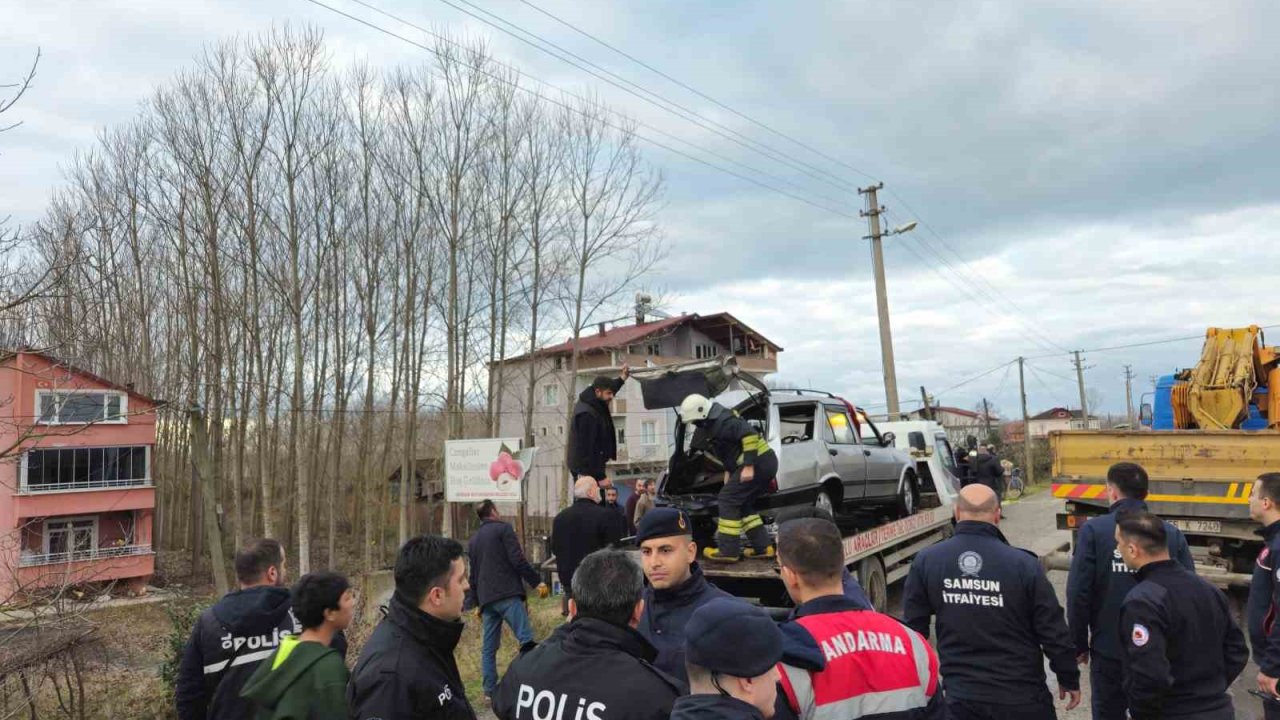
[80,555]
[83,485]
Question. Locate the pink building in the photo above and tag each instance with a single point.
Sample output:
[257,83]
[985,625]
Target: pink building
[76,492]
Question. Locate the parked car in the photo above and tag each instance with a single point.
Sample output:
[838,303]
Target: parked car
[830,454]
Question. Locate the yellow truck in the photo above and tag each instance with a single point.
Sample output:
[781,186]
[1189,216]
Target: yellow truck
[1200,482]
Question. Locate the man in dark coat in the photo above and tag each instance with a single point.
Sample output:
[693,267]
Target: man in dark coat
[629,508]
[407,670]
[1264,591]
[581,529]
[998,618]
[593,441]
[596,666]
[1098,584]
[988,471]
[231,638]
[1182,649]
[676,587]
[499,572]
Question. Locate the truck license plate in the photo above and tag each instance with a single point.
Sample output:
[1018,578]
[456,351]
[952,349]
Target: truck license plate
[1198,526]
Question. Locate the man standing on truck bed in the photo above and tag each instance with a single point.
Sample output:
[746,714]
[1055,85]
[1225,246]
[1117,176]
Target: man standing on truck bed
[1264,590]
[750,465]
[676,586]
[593,441]
[1098,583]
[998,617]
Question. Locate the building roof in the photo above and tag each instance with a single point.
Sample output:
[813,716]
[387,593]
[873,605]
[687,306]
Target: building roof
[7,355]
[717,327]
[1059,413]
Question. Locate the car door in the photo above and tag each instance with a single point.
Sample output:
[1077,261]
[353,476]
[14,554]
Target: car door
[884,466]
[847,455]
[801,437]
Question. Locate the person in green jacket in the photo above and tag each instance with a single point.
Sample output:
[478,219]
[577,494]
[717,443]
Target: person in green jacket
[306,679]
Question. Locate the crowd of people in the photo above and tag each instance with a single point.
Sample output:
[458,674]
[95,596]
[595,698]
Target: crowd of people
[648,636]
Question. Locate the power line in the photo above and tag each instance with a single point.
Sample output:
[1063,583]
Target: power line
[618,81]
[699,93]
[1148,343]
[565,106]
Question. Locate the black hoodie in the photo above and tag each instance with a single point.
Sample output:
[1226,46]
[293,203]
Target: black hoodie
[228,642]
[593,442]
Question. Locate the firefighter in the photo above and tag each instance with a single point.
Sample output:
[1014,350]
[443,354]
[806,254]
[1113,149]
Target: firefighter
[1182,650]
[1098,583]
[750,466]
[1264,591]
[998,618]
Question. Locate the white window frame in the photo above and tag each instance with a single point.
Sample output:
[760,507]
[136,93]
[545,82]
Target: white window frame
[555,390]
[123,419]
[24,485]
[44,532]
[647,440]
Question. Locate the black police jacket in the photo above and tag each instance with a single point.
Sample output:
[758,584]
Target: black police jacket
[579,530]
[1099,581]
[1264,603]
[713,707]
[499,569]
[407,670]
[587,670]
[227,643]
[988,471]
[997,615]
[1182,650]
[593,442]
[665,614]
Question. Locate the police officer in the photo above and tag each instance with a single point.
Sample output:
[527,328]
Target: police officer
[733,651]
[997,614]
[750,466]
[839,659]
[676,588]
[1098,583]
[596,667]
[1264,591]
[1182,650]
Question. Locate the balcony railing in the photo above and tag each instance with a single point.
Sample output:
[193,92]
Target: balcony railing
[81,555]
[83,485]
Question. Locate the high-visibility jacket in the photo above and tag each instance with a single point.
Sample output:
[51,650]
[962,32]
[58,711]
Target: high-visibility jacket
[872,666]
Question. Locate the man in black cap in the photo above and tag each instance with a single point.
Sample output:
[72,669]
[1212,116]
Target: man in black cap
[732,662]
[676,588]
[593,441]
[596,667]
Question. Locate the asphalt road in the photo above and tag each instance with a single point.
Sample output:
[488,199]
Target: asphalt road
[1031,524]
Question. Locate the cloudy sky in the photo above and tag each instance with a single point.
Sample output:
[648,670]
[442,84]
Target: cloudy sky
[1087,177]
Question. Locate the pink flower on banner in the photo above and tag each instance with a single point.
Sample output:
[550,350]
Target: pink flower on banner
[505,470]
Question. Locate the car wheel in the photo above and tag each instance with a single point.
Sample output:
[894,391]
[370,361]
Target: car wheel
[907,496]
[823,502]
[871,577]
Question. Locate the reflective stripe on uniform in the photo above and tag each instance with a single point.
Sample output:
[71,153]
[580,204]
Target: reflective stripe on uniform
[238,660]
[729,527]
[751,522]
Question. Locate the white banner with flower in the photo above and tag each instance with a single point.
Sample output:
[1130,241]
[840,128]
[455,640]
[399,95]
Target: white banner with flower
[490,469]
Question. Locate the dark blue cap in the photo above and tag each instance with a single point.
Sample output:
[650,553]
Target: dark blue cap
[662,522]
[734,638]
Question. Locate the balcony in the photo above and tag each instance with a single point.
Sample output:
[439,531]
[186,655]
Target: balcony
[80,485]
[75,556]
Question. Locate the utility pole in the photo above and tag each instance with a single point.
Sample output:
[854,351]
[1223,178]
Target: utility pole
[872,213]
[928,409]
[1084,404]
[986,421]
[1128,393]
[1026,427]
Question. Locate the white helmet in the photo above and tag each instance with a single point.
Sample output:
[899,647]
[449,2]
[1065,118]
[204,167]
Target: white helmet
[694,408]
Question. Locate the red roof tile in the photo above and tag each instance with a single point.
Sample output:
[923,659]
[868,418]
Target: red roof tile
[618,336]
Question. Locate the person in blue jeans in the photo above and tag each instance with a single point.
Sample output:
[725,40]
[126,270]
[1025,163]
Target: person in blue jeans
[499,572]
